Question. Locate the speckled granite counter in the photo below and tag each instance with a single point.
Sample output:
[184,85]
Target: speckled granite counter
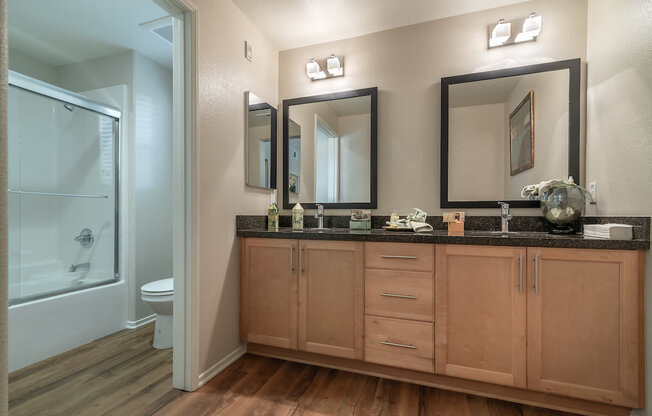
[253,226]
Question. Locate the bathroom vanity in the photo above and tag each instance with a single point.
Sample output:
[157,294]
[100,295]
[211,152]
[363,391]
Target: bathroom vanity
[552,321]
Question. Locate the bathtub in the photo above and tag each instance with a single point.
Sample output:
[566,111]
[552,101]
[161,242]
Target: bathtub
[46,327]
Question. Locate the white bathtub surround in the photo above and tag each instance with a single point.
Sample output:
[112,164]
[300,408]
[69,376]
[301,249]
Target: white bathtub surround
[50,326]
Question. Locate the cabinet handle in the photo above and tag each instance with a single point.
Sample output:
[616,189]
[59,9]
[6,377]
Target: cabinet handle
[394,295]
[387,256]
[393,344]
[300,259]
[520,273]
[291,259]
[536,274]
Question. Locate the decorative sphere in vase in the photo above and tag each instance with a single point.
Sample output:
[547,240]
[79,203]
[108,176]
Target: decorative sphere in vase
[562,206]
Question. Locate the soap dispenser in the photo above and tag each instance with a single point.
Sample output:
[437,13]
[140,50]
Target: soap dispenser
[297,217]
[272,217]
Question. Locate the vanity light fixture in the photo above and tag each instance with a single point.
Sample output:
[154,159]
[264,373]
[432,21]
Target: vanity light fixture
[500,33]
[314,70]
[333,66]
[531,28]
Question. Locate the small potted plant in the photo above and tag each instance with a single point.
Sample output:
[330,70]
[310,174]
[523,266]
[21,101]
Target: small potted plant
[562,202]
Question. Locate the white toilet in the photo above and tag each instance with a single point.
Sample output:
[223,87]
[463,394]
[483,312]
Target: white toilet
[159,295]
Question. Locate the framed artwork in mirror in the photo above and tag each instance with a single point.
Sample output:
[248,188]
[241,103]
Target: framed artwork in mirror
[521,136]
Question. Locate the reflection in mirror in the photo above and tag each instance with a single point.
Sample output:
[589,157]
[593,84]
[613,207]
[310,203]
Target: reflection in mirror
[294,153]
[508,131]
[329,150]
[260,142]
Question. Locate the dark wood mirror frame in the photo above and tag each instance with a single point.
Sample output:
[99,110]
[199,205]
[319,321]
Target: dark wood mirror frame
[373,179]
[573,65]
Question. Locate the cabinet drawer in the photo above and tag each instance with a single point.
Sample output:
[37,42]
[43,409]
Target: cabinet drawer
[400,343]
[402,256]
[399,294]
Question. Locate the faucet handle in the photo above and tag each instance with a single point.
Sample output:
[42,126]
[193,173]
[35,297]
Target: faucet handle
[504,209]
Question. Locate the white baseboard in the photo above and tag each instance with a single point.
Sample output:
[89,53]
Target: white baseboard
[221,365]
[141,322]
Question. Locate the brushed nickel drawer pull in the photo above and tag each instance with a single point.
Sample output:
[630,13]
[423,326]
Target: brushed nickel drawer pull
[393,344]
[387,256]
[394,295]
[291,259]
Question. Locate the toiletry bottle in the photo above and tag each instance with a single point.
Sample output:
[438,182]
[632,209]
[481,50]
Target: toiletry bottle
[297,217]
[394,217]
[272,217]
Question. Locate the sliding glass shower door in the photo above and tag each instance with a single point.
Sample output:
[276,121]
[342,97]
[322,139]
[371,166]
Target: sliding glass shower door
[62,191]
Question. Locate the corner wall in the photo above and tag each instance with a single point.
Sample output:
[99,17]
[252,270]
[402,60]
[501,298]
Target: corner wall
[223,75]
[619,126]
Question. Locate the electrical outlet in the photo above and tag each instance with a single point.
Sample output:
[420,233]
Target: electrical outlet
[593,190]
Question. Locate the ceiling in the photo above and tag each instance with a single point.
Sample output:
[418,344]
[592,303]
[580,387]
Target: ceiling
[294,23]
[69,31]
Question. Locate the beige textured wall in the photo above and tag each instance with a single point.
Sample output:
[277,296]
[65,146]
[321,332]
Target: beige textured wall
[407,64]
[223,75]
[619,126]
[4,391]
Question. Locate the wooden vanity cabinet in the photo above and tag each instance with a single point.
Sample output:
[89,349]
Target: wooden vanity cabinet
[562,321]
[331,298]
[480,318]
[303,295]
[558,327]
[585,324]
[269,300]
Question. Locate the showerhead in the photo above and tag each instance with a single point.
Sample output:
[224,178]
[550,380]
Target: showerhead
[69,107]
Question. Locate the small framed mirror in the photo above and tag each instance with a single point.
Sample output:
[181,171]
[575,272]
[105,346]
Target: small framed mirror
[260,142]
[505,129]
[330,150]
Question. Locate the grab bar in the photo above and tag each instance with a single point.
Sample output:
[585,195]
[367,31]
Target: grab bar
[11,191]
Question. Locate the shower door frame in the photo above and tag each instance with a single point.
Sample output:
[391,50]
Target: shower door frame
[44,89]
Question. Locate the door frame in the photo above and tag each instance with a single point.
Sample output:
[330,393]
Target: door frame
[185,353]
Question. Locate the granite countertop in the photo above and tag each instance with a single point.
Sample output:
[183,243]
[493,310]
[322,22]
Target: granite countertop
[254,226]
[471,237]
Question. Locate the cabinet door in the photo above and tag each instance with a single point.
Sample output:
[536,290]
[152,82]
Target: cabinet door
[331,298]
[480,313]
[268,291]
[585,324]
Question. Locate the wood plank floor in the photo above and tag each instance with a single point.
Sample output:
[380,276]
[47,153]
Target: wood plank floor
[123,375]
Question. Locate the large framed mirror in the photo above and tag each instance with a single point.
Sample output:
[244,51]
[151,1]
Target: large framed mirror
[330,144]
[505,129]
[260,142]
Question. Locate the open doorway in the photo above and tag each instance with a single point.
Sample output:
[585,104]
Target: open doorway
[101,210]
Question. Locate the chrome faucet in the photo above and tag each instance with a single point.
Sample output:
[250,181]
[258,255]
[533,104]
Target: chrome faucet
[505,216]
[320,216]
[79,267]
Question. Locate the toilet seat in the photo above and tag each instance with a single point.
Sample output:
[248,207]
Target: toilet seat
[163,287]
